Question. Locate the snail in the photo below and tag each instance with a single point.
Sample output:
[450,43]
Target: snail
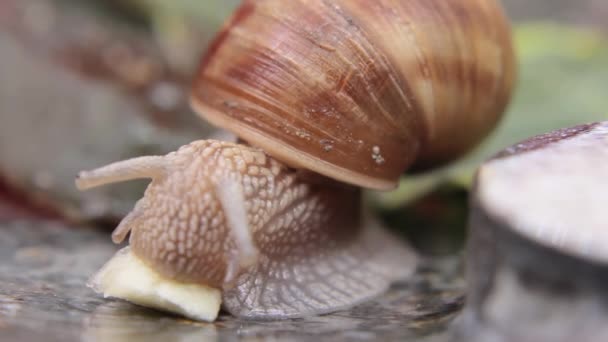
[328,97]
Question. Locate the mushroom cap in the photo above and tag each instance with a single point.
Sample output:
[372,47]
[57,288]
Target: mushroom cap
[552,190]
[361,90]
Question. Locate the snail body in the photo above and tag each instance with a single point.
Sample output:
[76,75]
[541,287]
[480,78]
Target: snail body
[330,96]
[233,218]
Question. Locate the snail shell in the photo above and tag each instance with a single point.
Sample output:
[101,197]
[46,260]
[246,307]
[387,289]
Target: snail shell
[359,90]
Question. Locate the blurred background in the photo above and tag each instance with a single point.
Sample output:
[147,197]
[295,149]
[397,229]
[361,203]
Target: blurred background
[87,82]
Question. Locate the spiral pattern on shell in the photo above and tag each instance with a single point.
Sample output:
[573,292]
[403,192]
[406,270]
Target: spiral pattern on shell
[359,90]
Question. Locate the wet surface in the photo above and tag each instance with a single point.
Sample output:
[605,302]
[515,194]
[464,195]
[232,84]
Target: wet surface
[43,296]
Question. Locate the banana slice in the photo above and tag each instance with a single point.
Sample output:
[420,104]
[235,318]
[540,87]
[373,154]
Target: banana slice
[126,277]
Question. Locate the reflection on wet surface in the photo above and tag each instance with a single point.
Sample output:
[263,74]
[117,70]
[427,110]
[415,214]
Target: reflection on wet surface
[43,297]
[121,321]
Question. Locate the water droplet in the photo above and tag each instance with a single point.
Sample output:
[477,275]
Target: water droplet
[230,104]
[376,156]
[303,135]
[327,144]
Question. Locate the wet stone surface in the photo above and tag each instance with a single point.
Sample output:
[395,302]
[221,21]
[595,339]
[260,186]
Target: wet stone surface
[44,267]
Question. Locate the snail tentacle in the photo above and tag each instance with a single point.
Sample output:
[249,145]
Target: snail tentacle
[231,197]
[135,168]
[124,227]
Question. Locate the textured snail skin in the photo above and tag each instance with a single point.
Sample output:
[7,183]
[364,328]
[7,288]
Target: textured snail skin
[359,90]
[230,217]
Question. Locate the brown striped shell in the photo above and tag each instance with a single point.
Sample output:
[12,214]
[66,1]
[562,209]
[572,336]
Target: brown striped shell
[359,90]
